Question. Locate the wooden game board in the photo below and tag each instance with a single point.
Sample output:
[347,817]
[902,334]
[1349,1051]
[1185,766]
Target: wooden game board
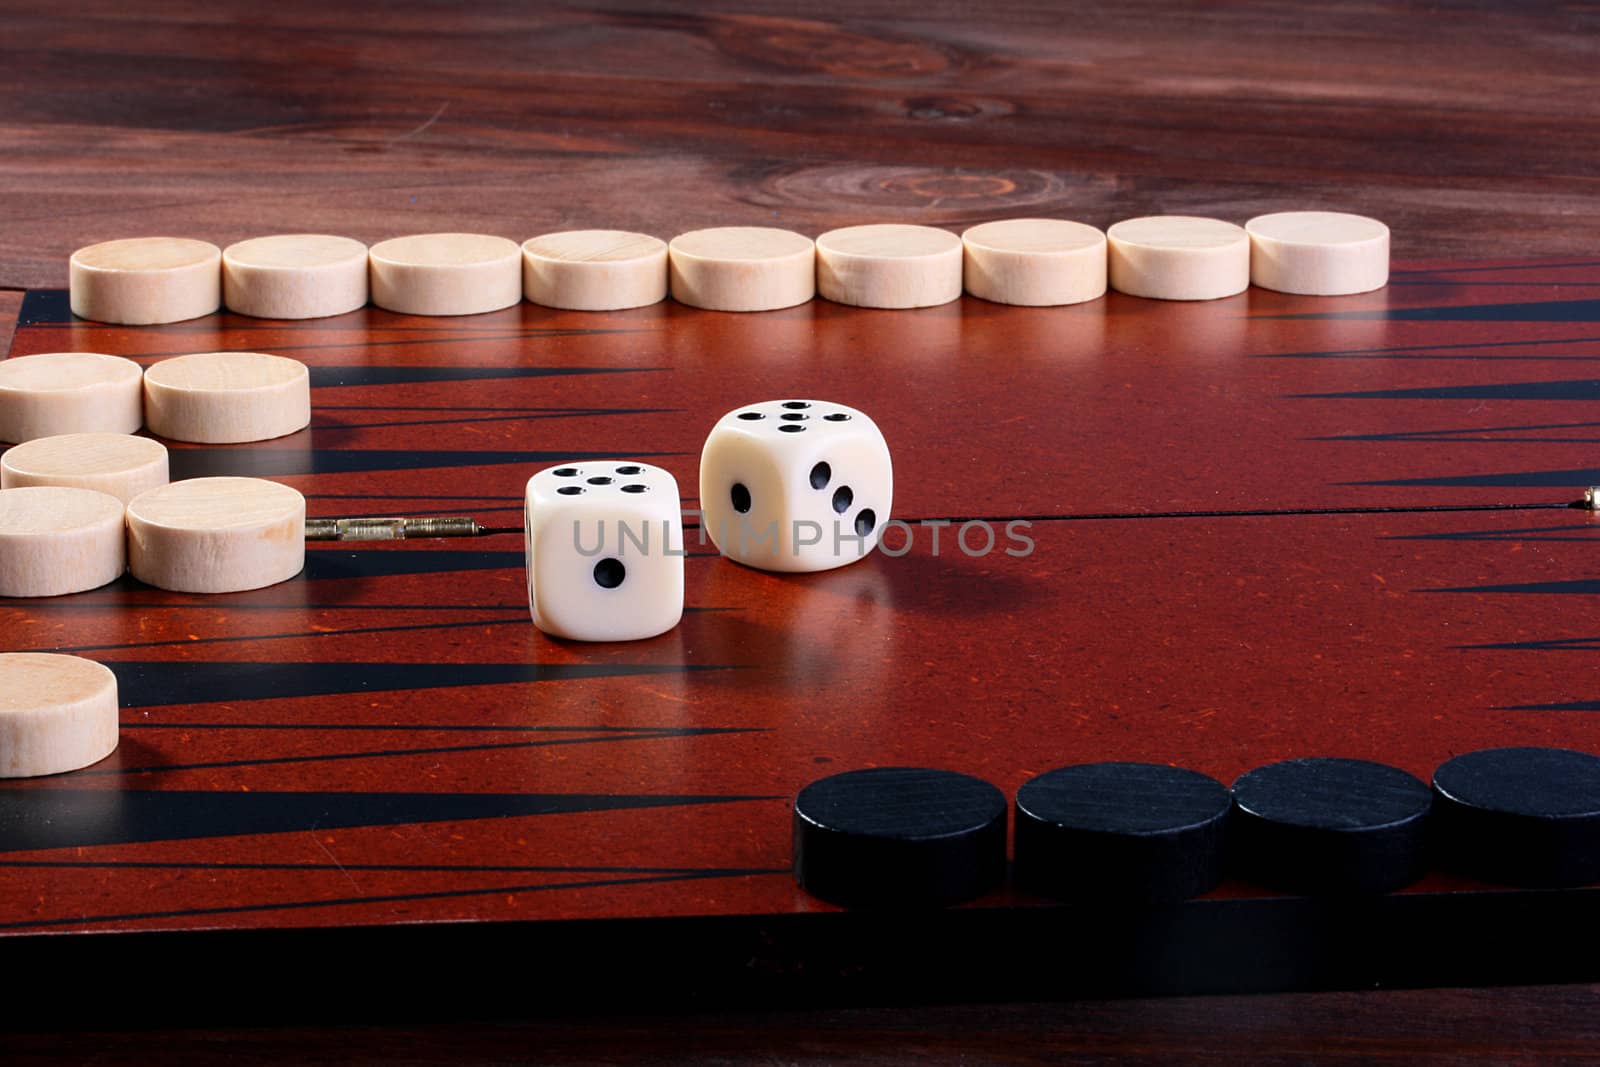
[1264,527]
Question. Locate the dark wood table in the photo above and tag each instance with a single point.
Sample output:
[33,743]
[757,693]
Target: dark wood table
[1474,132]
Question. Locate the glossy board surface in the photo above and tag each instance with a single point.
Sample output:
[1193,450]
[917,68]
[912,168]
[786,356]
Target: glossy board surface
[387,741]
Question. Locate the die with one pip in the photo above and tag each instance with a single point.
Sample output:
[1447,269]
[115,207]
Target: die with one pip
[604,550]
[795,485]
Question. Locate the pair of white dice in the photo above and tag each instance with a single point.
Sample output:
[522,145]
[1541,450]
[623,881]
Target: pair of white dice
[786,485]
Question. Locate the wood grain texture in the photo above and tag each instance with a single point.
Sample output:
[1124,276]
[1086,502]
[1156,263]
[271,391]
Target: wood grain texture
[376,120]
[57,713]
[594,270]
[120,465]
[227,397]
[742,268]
[216,535]
[294,276]
[69,392]
[1325,253]
[889,266]
[10,304]
[56,540]
[1034,262]
[142,281]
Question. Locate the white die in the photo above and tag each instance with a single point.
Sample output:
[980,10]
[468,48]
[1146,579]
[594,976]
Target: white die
[795,485]
[604,550]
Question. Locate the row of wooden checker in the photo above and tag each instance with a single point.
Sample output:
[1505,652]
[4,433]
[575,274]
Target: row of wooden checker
[1034,262]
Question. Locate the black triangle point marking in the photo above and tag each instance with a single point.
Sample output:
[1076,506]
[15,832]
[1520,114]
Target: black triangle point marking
[1555,433]
[1581,389]
[1576,705]
[1586,532]
[1563,479]
[144,684]
[85,818]
[289,462]
[1472,351]
[1577,587]
[331,564]
[1554,644]
[1528,311]
[53,307]
[325,377]
[322,564]
[45,307]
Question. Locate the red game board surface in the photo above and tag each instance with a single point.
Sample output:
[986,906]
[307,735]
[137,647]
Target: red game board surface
[387,741]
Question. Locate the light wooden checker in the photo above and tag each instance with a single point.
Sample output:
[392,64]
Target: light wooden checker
[594,270]
[227,397]
[1178,257]
[139,281]
[295,276]
[1318,253]
[1035,262]
[57,713]
[119,465]
[889,266]
[217,535]
[56,540]
[69,392]
[742,268]
[446,274]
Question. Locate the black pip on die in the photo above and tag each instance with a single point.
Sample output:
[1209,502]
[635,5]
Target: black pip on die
[604,551]
[795,485]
